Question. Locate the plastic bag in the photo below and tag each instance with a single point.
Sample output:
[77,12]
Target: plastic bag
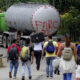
[68,66]
[56,62]
[78,72]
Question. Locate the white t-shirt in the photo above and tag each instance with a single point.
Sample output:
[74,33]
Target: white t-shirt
[38,46]
[78,72]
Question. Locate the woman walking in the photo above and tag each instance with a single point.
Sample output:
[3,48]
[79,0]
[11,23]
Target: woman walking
[68,53]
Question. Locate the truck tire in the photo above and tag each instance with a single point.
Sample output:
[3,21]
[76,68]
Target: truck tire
[5,42]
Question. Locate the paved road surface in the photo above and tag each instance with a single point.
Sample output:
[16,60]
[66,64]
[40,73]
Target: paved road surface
[36,75]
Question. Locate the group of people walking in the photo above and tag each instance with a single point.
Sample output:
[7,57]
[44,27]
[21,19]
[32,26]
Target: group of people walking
[67,53]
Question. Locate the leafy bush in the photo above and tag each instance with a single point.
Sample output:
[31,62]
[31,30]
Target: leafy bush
[70,23]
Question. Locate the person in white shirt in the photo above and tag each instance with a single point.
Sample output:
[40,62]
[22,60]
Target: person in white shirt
[37,53]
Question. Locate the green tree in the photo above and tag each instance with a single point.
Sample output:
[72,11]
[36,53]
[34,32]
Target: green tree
[70,23]
[4,4]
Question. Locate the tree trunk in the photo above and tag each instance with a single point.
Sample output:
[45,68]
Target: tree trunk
[7,2]
[0,4]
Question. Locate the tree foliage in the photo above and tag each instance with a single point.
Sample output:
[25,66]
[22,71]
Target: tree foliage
[61,5]
[70,20]
[70,23]
[4,4]
[64,5]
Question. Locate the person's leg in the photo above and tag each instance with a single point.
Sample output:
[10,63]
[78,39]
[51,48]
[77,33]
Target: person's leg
[16,68]
[69,76]
[64,76]
[23,70]
[29,69]
[51,67]
[47,67]
[39,59]
[10,69]
[36,56]
[57,70]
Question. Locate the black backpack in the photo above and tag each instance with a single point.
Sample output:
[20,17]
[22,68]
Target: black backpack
[50,47]
[13,54]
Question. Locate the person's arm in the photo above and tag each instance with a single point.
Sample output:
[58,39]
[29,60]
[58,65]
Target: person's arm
[32,57]
[56,50]
[59,53]
[42,44]
[75,52]
[32,54]
[43,50]
[8,49]
[56,47]
[18,49]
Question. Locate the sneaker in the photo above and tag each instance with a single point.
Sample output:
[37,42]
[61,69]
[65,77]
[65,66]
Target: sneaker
[38,68]
[55,72]
[30,78]
[10,75]
[51,77]
[14,77]
[58,73]
[47,76]
[23,78]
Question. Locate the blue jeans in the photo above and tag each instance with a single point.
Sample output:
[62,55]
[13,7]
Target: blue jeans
[15,65]
[28,64]
[67,76]
[49,61]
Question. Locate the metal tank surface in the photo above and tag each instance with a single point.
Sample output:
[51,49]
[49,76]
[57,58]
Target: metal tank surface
[33,17]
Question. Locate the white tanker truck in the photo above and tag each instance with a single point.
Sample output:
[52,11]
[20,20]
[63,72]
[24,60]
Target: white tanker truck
[30,18]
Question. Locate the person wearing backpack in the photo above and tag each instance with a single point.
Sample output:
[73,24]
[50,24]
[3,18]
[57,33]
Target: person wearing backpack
[27,57]
[37,54]
[13,54]
[68,53]
[49,48]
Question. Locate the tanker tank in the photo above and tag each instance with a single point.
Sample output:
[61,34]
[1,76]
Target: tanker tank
[33,17]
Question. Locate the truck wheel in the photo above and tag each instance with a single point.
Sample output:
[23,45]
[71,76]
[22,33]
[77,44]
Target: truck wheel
[5,42]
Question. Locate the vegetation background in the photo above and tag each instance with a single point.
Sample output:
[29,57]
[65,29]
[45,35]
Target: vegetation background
[69,12]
